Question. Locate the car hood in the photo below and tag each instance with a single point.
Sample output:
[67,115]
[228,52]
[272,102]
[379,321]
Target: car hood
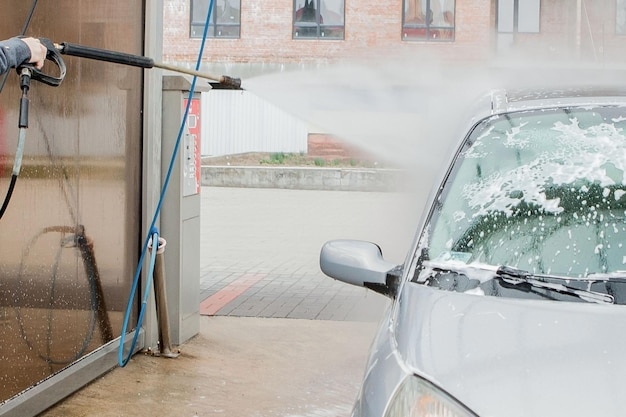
[507,357]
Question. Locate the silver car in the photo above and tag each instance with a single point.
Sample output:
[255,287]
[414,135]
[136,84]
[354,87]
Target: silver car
[511,300]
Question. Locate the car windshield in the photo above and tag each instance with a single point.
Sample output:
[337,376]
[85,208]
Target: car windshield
[543,191]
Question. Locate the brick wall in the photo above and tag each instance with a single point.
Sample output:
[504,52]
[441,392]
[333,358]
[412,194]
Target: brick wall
[266,34]
[567,32]
[373,28]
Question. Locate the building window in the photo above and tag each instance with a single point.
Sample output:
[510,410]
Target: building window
[620,16]
[225,18]
[428,20]
[318,19]
[515,16]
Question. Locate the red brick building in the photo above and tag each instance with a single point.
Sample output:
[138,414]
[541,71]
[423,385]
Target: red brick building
[246,38]
[263,34]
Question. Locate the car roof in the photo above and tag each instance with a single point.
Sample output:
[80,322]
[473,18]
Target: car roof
[503,101]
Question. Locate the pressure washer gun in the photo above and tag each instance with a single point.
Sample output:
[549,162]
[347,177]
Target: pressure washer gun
[81,51]
[27,72]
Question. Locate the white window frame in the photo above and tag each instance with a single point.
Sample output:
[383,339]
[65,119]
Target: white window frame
[519,16]
[217,29]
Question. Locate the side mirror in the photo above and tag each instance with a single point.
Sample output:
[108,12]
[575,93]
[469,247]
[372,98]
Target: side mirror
[359,263]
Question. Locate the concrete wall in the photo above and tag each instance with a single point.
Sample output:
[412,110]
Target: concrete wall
[304,178]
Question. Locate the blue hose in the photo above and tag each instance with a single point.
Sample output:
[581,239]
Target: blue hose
[154,233]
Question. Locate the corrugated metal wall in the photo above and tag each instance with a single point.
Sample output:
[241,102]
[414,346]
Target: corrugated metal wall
[236,122]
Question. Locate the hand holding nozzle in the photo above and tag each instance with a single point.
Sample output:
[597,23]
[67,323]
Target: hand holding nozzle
[35,65]
[38,51]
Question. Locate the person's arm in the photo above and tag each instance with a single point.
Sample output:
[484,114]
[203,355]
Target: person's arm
[15,51]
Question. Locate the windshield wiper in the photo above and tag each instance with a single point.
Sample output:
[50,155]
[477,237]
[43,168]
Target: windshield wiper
[514,276]
[518,276]
[617,276]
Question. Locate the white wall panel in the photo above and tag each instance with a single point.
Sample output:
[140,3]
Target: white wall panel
[236,122]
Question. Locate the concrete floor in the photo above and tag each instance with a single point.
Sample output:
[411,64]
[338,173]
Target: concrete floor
[238,366]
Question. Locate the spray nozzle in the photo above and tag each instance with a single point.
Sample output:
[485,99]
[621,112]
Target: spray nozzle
[230,82]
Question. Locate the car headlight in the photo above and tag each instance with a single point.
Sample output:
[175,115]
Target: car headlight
[416,397]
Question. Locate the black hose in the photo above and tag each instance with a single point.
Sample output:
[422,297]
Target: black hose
[96,299]
[23,124]
[7,197]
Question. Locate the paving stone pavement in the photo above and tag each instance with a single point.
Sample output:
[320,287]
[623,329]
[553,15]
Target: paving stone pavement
[260,250]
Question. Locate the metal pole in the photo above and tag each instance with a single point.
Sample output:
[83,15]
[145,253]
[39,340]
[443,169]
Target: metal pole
[579,28]
[165,345]
[91,268]
[222,79]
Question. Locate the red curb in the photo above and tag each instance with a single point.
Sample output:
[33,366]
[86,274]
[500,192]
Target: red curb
[217,301]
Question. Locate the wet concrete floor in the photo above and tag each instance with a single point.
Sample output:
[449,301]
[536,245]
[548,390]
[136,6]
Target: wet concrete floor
[252,358]
[238,367]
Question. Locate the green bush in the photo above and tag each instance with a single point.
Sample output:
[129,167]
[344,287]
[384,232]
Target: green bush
[278,158]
